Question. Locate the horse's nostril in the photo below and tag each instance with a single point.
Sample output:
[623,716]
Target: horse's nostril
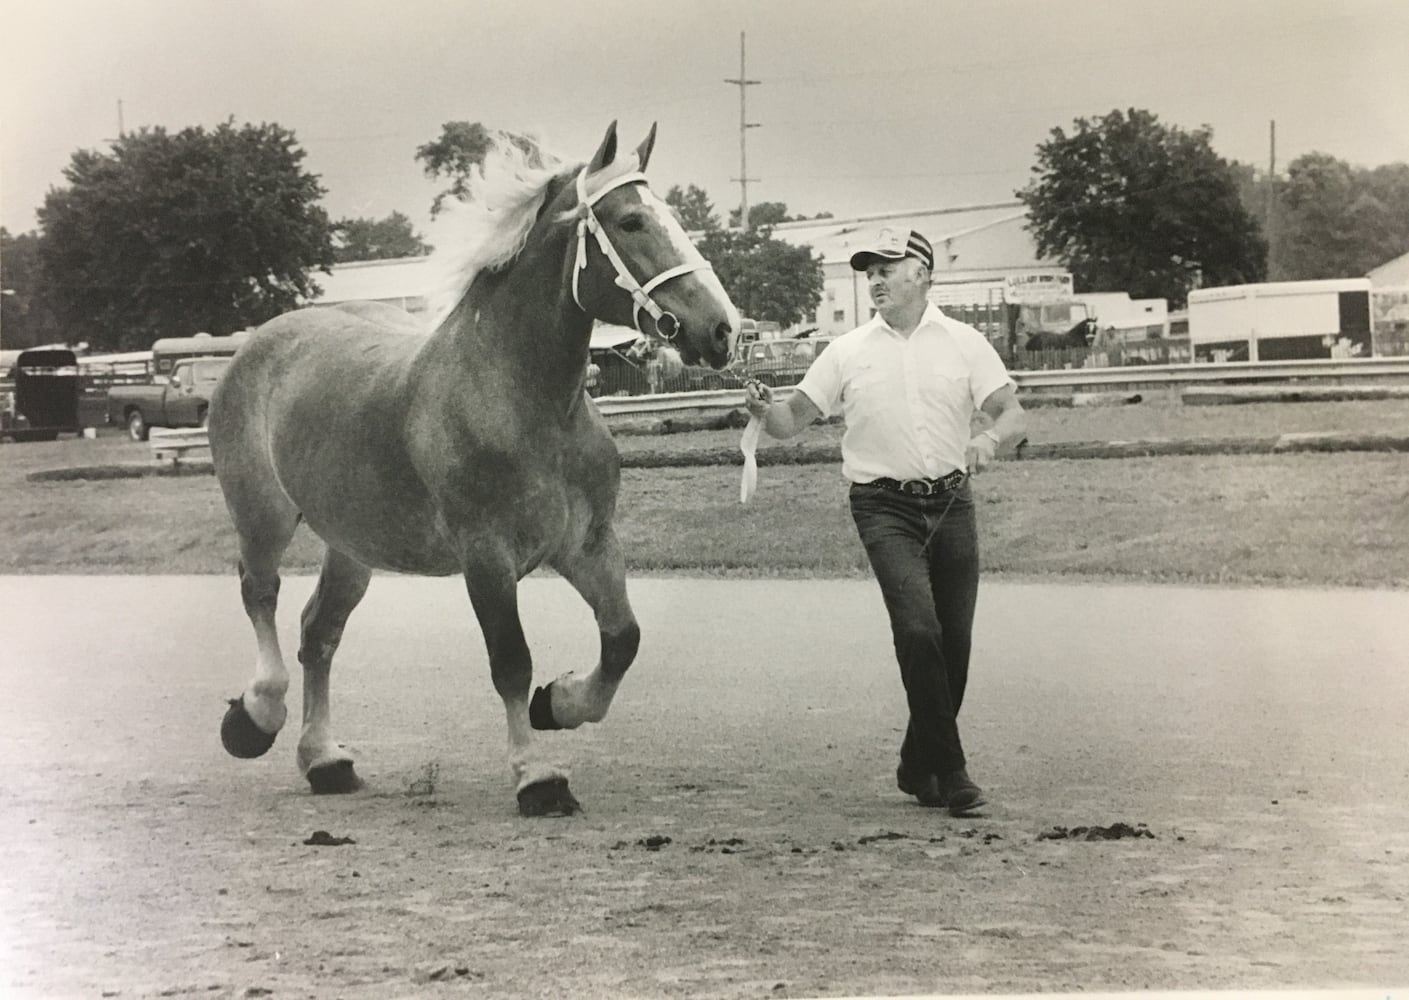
[721,335]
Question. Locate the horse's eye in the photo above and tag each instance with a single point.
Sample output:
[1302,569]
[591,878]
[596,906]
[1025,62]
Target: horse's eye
[633,223]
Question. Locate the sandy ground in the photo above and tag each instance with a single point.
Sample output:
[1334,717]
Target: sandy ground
[742,836]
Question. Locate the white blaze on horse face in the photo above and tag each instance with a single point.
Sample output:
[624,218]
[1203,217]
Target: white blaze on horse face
[690,254]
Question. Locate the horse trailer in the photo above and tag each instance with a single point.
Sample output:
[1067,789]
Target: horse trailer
[1281,321]
[47,396]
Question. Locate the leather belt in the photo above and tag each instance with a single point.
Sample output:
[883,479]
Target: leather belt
[923,487]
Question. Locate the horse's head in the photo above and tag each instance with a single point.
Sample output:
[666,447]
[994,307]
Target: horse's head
[635,266]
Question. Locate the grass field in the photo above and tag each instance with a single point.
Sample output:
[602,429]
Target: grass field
[1305,519]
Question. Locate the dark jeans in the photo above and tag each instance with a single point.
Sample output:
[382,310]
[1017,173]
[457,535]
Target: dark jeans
[924,552]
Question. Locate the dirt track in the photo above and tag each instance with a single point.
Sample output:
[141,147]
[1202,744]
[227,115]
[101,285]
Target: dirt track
[1257,734]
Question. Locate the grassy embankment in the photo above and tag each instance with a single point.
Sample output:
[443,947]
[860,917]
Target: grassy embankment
[1307,519]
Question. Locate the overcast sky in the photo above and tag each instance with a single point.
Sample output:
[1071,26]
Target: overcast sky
[863,107]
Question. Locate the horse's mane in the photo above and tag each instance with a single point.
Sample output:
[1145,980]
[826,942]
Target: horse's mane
[488,227]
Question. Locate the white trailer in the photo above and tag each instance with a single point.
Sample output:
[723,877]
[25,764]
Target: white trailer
[1129,320]
[1282,320]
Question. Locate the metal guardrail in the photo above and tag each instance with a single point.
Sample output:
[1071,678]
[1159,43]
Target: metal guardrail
[1351,369]
[1195,374]
[664,404]
[176,442]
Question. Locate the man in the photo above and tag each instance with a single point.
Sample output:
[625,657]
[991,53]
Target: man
[908,383]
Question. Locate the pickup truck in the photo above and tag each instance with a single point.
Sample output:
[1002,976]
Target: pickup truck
[781,362]
[180,401]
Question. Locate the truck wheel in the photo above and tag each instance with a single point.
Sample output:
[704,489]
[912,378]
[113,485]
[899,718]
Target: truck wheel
[137,428]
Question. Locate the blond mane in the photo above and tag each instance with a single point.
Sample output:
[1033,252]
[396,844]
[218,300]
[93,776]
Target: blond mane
[488,227]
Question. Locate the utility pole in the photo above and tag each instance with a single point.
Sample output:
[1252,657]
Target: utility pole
[1269,223]
[743,83]
[120,132]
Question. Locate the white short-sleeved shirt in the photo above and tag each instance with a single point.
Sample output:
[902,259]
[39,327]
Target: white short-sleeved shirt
[907,401]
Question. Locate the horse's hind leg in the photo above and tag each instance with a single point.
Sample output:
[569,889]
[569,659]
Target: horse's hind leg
[598,573]
[265,527]
[343,581]
[542,789]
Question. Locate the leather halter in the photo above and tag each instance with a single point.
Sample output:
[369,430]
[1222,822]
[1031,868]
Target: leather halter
[667,325]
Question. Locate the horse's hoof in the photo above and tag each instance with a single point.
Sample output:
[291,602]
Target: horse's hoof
[540,709]
[337,777]
[241,737]
[547,798]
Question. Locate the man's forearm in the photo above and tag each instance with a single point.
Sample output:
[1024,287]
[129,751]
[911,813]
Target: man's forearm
[779,421]
[1010,426]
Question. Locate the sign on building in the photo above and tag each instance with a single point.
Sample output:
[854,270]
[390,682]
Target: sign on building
[1033,289]
[966,293]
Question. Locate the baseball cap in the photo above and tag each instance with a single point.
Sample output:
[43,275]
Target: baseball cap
[894,244]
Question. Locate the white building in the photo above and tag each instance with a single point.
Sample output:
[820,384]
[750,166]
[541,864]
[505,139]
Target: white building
[403,281]
[1392,273]
[976,248]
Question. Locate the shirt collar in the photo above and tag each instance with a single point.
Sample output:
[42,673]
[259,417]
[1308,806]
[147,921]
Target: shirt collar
[931,315]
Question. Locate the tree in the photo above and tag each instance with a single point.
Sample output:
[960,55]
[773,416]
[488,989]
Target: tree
[771,213]
[378,239]
[763,213]
[693,207]
[1129,204]
[459,149]
[1339,221]
[173,234]
[767,279]
[25,319]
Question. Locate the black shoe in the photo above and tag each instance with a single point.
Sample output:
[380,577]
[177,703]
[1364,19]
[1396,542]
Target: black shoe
[959,793]
[923,787]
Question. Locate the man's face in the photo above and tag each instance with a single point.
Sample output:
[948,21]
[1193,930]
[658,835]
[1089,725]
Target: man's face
[895,283]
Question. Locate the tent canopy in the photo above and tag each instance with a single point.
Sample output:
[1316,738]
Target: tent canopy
[607,337]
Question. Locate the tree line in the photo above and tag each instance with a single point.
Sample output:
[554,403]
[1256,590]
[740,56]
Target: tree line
[170,233]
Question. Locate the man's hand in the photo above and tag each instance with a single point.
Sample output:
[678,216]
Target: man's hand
[981,451]
[758,398]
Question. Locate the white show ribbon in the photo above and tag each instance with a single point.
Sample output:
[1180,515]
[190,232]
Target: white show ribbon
[749,446]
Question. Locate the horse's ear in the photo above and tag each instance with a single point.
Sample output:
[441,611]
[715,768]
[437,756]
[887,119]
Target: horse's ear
[606,152]
[643,151]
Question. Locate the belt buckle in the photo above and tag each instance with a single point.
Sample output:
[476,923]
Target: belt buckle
[921,487]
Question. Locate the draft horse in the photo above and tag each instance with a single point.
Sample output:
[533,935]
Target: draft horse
[463,445]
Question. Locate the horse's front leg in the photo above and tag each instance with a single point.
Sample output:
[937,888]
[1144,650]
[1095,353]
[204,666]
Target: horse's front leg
[542,788]
[598,572]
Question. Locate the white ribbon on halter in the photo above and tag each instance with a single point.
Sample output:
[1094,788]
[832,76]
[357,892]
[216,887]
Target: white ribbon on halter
[640,294]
